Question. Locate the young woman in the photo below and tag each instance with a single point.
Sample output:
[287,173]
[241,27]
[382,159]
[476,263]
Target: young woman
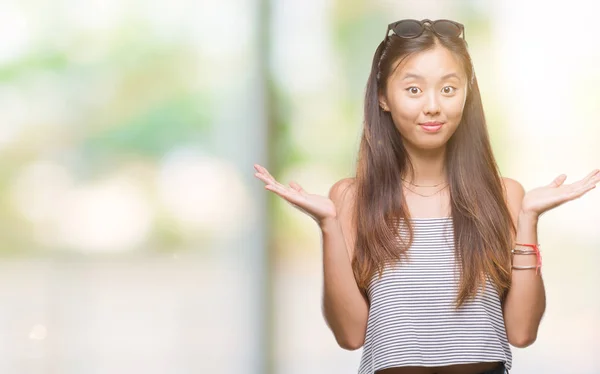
[430,257]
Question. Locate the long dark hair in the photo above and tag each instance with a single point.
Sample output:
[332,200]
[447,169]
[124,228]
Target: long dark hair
[483,228]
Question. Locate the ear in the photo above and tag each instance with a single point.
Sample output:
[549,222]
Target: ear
[383,103]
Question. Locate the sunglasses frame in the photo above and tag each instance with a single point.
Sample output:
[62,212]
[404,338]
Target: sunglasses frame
[393,25]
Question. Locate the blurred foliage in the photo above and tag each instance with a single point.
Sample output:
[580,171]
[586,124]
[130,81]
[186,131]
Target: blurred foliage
[128,96]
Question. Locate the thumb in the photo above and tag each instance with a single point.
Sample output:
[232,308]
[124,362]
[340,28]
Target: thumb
[297,187]
[558,180]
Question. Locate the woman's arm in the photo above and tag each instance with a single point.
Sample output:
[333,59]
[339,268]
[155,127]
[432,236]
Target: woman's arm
[344,307]
[526,300]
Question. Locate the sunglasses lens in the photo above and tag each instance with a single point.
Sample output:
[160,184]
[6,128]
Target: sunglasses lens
[447,28]
[408,28]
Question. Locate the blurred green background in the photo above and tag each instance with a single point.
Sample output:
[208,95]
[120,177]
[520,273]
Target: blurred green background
[134,234]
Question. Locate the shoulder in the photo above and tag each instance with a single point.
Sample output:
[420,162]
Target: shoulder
[513,194]
[343,195]
[512,188]
[342,192]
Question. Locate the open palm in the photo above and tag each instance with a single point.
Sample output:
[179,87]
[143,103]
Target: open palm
[316,206]
[542,199]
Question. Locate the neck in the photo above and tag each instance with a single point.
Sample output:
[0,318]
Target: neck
[428,166]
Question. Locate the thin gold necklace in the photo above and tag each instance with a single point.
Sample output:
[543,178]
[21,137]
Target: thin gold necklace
[418,185]
[413,191]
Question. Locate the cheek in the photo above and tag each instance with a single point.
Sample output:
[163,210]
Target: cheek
[453,109]
[407,108]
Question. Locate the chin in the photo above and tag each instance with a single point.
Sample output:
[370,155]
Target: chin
[431,145]
[433,148]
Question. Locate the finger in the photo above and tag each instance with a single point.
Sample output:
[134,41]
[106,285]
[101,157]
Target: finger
[583,186]
[265,172]
[558,180]
[581,191]
[591,175]
[263,178]
[261,170]
[277,189]
[595,179]
[266,176]
[590,180]
[267,180]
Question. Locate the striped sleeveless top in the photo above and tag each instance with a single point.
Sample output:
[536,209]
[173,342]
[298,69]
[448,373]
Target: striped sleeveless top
[412,320]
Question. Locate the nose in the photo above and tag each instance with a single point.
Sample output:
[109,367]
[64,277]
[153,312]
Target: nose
[432,107]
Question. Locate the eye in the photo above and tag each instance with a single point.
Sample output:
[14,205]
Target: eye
[412,89]
[452,90]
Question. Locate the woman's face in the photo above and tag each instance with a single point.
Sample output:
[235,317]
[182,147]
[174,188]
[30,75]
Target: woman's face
[427,87]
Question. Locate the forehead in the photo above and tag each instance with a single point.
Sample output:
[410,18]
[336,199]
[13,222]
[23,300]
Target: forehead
[430,64]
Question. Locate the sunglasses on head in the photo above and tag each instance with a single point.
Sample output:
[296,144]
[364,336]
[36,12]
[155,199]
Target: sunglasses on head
[412,28]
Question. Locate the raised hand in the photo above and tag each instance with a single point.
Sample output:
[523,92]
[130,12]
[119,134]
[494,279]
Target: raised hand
[317,207]
[542,199]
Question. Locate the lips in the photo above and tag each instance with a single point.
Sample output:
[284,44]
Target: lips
[431,126]
[431,123]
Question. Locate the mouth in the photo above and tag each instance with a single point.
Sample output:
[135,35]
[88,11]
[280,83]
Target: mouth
[431,126]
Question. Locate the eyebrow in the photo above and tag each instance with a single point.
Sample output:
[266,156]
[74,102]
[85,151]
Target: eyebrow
[416,76]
